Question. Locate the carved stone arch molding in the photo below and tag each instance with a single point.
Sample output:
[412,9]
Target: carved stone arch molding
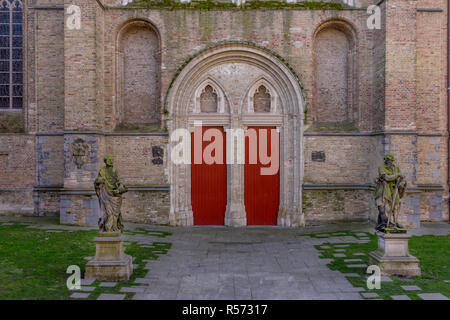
[236,70]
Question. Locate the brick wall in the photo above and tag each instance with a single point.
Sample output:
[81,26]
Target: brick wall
[400,85]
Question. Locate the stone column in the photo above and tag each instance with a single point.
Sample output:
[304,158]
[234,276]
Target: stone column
[235,214]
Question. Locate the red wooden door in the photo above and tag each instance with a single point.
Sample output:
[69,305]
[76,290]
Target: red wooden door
[262,191]
[209,182]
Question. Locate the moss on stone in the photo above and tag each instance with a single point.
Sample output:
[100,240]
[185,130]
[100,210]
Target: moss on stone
[209,4]
[11,121]
[137,127]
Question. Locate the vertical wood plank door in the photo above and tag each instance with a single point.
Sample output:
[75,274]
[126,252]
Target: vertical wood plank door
[262,192]
[208,185]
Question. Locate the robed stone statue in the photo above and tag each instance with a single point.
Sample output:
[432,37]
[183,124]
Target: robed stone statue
[390,189]
[109,188]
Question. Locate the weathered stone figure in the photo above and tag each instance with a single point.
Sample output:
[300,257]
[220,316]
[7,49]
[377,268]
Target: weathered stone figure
[109,188]
[390,188]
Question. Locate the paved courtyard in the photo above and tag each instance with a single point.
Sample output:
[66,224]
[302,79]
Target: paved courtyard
[244,263]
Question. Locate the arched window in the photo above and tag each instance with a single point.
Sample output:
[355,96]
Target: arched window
[208,100]
[11,77]
[261,100]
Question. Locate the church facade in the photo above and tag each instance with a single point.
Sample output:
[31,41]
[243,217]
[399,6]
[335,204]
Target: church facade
[341,83]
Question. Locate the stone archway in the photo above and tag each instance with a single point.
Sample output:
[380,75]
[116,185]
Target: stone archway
[236,69]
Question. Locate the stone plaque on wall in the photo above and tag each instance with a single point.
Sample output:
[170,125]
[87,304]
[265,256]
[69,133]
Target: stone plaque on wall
[318,156]
[157,155]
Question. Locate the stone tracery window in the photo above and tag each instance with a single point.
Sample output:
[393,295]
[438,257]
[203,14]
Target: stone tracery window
[208,100]
[11,76]
[261,100]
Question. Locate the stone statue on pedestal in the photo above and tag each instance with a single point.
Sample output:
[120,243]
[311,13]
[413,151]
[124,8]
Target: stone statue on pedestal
[110,262]
[392,255]
[109,188]
[390,189]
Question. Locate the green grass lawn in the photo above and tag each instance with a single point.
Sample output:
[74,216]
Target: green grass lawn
[432,251]
[33,262]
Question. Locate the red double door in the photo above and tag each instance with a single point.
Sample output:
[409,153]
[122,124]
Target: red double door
[209,180]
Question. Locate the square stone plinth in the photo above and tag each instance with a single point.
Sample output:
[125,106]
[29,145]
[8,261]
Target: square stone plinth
[392,255]
[110,262]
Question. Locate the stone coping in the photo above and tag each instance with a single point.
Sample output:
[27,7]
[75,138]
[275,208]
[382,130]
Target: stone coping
[393,235]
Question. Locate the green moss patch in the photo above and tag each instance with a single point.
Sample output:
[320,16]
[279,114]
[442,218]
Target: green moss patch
[209,4]
[11,121]
[137,127]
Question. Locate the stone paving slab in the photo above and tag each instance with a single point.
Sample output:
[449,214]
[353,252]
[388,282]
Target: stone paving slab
[369,294]
[401,297]
[339,255]
[359,234]
[109,296]
[357,265]
[86,288]
[86,282]
[432,296]
[410,288]
[143,296]
[108,284]
[80,295]
[352,260]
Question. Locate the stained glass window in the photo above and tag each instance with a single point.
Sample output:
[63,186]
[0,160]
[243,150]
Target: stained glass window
[11,62]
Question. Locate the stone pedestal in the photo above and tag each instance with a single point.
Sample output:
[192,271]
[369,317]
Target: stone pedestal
[110,262]
[392,255]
